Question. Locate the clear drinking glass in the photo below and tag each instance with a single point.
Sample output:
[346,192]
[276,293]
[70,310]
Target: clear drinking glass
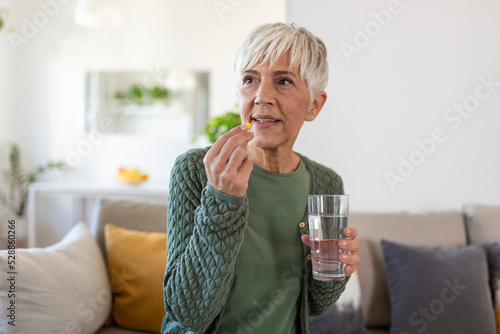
[328,216]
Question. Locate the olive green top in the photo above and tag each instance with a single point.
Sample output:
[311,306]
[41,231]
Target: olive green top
[262,297]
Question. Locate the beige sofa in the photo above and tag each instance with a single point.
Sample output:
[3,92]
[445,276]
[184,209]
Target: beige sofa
[475,224]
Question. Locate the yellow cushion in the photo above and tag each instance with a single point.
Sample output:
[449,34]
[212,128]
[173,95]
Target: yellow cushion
[136,264]
[497,316]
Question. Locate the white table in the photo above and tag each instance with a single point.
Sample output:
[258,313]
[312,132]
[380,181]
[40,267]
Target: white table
[83,190]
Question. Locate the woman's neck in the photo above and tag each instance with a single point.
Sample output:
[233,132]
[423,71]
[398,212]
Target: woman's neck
[274,161]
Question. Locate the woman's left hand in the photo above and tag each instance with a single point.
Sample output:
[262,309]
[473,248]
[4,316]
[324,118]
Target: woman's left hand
[350,244]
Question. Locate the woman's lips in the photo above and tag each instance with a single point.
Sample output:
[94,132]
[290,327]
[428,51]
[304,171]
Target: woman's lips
[264,121]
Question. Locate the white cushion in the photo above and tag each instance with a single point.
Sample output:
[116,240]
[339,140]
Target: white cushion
[63,288]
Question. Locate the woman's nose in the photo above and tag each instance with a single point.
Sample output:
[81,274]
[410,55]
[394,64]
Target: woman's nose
[265,94]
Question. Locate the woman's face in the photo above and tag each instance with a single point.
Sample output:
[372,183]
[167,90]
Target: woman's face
[276,101]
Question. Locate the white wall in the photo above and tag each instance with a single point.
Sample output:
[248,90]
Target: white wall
[397,87]
[48,72]
[42,70]
[6,62]
[393,92]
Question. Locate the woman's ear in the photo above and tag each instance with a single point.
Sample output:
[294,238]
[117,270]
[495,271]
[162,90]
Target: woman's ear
[316,106]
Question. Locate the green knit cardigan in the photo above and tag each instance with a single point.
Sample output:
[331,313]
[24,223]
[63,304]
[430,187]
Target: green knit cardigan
[205,232]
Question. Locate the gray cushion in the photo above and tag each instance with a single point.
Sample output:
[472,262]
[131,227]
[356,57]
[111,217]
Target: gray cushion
[346,316]
[377,331]
[493,250]
[483,223]
[438,289]
[346,321]
[433,229]
[141,215]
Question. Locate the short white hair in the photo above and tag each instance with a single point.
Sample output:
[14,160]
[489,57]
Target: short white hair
[268,42]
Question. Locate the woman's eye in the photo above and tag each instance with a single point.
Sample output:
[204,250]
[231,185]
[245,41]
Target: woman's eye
[248,80]
[284,81]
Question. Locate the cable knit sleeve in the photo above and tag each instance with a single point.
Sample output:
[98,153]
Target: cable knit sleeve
[323,295]
[205,231]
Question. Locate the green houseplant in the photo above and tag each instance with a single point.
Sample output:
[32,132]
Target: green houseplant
[17,181]
[1,20]
[158,93]
[217,126]
[140,95]
[4,15]
[137,93]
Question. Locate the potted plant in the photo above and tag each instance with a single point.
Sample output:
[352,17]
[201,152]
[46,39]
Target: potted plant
[217,126]
[14,196]
[158,94]
[137,93]
[1,19]
[4,15]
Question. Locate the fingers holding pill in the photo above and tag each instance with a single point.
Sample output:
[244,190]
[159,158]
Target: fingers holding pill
[226,163]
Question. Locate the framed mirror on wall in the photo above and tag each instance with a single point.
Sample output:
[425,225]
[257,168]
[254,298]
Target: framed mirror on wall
[160,103]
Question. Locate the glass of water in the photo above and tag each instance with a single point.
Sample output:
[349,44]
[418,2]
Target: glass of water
[328,216]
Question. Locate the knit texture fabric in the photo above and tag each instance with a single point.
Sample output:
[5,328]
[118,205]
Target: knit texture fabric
[205,231]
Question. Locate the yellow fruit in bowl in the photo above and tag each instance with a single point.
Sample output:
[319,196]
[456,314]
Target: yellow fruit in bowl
[131,175]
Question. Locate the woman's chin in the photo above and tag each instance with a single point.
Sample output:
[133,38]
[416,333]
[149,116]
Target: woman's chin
[263,144]
[256,145]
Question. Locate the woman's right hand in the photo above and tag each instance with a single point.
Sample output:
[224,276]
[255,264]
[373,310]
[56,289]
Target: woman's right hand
[226,163]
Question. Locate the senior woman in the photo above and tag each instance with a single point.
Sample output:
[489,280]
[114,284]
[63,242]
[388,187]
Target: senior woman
[237,219]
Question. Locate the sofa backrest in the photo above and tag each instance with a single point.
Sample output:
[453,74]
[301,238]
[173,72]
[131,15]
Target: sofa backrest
[141,215]
[433,229]
[483,223]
